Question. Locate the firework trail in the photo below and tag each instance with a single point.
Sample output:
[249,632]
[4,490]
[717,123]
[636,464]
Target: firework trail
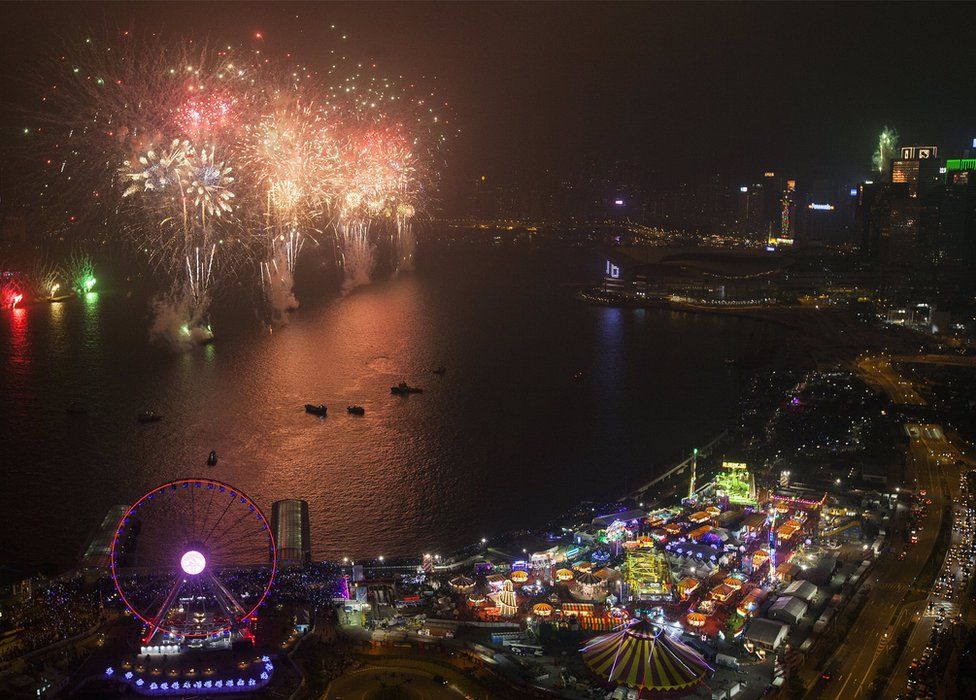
[406,243]
[885,153]
[293,156]
[80,273]
[374,177]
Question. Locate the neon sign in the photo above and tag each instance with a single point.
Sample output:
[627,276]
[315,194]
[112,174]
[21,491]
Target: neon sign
[613,271]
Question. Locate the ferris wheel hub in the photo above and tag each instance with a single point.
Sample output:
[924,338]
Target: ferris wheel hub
[193,562]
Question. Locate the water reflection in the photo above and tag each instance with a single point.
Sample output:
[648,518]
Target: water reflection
[19,343]
[504,439]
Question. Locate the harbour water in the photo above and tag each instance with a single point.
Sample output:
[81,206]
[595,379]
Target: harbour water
[505,439]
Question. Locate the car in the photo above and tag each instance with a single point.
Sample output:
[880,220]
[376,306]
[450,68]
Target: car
[440,679]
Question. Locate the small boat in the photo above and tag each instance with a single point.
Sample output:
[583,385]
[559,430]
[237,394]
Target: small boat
[212,458]
[356,410]
[316,410]
[441,369]
[149,417]
[76,410]
[402,389]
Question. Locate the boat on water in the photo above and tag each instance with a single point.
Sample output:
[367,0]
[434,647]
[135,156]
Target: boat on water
[441,369]
[149,417]
[402,389]
[212,458]
[316,410]
[356,410]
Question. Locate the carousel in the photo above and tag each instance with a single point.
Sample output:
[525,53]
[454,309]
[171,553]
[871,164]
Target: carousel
[462,584]
[588,587]
[642,656]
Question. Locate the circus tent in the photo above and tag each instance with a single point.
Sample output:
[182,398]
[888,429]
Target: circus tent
[644,657]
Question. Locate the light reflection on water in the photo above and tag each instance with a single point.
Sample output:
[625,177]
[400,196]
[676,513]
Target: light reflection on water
[505,439]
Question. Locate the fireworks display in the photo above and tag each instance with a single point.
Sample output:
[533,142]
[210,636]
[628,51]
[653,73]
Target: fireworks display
[212,163]
[885,153]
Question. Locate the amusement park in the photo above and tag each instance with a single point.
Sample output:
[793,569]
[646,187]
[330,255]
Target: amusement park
[723,588]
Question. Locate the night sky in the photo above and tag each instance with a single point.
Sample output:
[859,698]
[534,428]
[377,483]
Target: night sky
[677,88]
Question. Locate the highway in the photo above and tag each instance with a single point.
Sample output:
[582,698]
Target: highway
[881,372]
[930,467]
[854,661]
[944,598]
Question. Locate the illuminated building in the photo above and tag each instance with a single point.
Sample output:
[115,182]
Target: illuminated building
[787,218]
[899,220]
[657,273]
[772,188]
[722,592]
[751,602]
[289,519]
[957,234]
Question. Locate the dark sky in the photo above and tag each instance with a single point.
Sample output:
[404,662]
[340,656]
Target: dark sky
[680,88]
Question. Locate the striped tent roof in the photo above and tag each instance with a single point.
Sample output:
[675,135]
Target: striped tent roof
[587,579]
[642,656]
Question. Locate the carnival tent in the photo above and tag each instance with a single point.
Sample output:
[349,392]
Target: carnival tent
[644,657]
[462,583]
[542,609]
[588,587]
[480,593]
[588,579]
[495,580]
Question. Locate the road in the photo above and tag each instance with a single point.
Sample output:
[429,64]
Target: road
[880,371]
[930,454]
[943,597]
[951,360]
[854,661]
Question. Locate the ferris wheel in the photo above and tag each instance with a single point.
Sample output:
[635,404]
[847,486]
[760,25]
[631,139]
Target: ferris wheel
[193,559]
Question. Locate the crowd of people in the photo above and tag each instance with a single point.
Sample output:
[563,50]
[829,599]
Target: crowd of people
[47,613]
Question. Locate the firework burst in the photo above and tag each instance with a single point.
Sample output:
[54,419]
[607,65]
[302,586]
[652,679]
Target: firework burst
[207,159]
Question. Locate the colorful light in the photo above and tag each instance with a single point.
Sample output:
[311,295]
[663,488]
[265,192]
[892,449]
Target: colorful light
[193,562]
